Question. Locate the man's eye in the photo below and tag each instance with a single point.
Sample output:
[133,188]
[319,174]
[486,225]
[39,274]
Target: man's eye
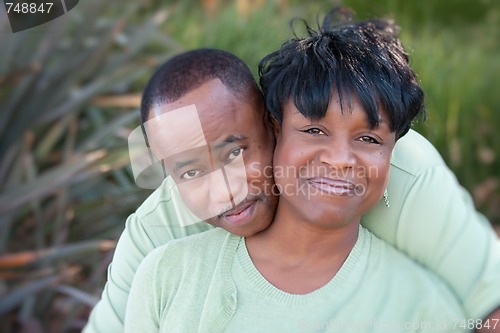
[368,139]
[314,131]
[190,174]
[235,153]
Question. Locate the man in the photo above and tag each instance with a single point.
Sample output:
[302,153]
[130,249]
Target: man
[430,218]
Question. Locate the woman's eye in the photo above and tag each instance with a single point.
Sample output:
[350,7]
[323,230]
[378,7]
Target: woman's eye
[314,130]
[235,153]
[190,174]
[368,139]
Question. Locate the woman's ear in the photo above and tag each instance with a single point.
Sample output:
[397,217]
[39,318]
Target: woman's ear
[273,123]
[276,126]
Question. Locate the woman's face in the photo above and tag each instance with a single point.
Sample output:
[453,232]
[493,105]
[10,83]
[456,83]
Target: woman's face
[331,171]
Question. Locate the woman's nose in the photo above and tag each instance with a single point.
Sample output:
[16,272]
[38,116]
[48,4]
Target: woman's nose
[337,154]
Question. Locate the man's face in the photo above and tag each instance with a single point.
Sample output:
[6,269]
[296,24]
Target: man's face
[218,149]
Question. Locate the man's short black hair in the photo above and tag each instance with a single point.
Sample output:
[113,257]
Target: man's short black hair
[187,71]
[364,58]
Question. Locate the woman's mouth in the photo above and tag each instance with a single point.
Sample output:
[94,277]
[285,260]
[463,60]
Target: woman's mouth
[337,187]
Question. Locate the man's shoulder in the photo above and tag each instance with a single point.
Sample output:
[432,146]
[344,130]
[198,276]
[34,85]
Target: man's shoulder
[197,246]
[414,154]
[164,211]
[193,254]
[210,240]
[159,199]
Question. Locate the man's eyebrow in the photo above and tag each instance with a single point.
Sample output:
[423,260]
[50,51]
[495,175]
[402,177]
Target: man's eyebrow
[229,139]
[181,164]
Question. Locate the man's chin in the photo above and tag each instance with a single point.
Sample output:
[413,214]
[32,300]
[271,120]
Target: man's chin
[252,228]
[243,230]
[246,219]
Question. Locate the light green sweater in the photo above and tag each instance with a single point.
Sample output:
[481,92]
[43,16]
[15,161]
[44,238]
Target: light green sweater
[207,283]
[431,219]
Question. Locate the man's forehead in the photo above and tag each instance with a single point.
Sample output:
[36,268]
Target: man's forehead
[176,132]
[211,96]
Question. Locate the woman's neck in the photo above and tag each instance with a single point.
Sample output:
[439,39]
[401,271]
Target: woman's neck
[299,256]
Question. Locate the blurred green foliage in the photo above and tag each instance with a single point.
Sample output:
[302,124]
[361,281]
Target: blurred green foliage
[65,184]
[65,187]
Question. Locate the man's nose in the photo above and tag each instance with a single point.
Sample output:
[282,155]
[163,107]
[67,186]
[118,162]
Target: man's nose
[217,188]
[237,180]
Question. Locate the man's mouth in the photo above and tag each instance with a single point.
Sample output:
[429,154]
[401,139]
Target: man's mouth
[333,186]
[239,214]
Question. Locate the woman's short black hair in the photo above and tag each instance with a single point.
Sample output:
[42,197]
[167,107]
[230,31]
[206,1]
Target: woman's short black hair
[189,70]
[363,58]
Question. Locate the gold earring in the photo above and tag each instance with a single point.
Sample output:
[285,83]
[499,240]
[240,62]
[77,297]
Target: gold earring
[386,199]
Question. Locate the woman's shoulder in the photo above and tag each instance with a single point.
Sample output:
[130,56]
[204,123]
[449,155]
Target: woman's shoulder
[405,274]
